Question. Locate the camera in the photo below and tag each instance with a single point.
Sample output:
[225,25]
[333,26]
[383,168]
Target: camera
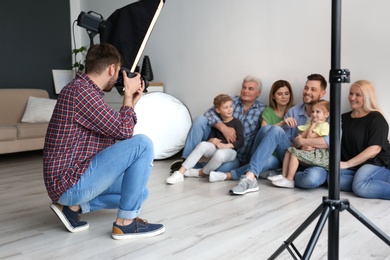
[119,82]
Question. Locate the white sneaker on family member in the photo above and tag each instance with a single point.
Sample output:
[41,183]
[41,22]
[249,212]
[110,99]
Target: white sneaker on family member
[217,176]
[176,177]
[192,173]
[284,183]
[275,177]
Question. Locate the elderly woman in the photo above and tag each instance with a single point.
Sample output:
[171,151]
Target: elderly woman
[365,149]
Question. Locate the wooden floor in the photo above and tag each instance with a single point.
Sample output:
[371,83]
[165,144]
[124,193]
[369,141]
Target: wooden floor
[202,221]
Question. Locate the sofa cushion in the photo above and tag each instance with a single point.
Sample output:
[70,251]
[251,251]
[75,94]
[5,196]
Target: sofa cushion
[13,103]
[38,110]
[29,130]
[8,133]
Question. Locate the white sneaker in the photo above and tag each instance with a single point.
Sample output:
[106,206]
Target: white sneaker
[217,176]
[176,177]
[284,183]
[192,173]
[275,177]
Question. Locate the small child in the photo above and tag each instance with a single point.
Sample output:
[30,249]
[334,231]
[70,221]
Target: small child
[216,148]
[318,126]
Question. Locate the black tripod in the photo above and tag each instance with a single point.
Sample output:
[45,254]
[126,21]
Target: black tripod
[332,205]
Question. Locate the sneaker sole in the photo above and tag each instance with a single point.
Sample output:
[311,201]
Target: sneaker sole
[284,186]
[243,192]
[139,235]
[274,179]
[216,180]
[65,221]
[172,183]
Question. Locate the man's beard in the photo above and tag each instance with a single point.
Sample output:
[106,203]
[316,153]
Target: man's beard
[308,103]
[110,85]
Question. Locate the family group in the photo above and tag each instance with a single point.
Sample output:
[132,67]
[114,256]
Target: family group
[294,138]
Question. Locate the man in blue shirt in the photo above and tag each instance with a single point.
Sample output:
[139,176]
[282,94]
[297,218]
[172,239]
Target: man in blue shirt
[277,139]
[246,108]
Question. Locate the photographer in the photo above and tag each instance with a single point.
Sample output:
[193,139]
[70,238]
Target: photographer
[85,169]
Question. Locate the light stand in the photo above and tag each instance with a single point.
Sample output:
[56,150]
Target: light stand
[332,205]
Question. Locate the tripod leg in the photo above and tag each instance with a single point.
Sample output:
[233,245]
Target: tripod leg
[316,233]
[359,216]
[299,230]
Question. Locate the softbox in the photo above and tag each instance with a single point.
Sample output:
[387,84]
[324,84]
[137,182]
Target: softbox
[129,28]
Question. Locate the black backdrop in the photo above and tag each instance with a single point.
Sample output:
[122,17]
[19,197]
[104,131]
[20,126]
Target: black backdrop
[35,37]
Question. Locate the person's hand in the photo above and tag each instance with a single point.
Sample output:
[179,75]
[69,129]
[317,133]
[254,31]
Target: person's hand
[138,94]
[133,88]
[344,165]
[290,122]
[298,140]
[215,141]
[230,134]
[307,148]
[223,146]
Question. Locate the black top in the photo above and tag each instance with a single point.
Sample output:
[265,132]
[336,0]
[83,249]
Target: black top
[360,133]
[237,125]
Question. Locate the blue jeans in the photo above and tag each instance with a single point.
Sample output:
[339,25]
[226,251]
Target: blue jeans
[115,179]
[369,181]
[268,140]
[310,177]
[200,131]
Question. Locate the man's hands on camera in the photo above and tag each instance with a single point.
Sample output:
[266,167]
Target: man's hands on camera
[133,89]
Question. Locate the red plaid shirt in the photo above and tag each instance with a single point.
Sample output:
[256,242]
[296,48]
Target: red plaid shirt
[82,125]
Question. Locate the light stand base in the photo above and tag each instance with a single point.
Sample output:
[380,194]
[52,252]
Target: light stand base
[323,211]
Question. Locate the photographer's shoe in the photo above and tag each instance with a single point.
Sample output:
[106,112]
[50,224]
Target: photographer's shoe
[69,218]
[137,229]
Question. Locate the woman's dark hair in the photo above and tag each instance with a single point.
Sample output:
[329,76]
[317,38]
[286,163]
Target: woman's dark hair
[277,85]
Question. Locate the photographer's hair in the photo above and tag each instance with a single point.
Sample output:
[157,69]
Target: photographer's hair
[369,95]
[254,79]
[324,104]
[100,56]
[319,78]
[277,85]
[221,99]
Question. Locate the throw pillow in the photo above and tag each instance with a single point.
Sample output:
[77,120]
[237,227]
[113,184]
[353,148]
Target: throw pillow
[38,110]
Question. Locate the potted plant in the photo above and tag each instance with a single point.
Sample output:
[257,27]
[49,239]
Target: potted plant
[79,63]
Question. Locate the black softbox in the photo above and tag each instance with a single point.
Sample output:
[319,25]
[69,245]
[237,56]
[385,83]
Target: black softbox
[129,28]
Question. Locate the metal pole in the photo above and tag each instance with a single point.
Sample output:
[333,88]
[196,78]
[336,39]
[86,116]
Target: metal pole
[334,135]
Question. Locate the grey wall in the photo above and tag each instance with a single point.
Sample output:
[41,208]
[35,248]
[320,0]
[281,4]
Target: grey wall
[201,48]
[35,38]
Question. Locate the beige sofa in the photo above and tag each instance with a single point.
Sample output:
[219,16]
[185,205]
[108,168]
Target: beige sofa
[16,136]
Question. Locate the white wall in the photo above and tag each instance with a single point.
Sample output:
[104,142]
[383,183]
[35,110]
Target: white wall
[205,47]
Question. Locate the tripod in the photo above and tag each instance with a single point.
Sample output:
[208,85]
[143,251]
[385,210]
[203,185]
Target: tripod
[332,205]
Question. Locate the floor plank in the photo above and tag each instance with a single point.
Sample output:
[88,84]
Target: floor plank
[202,220]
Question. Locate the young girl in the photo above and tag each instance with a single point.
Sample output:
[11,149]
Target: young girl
[317,127]
[216,148]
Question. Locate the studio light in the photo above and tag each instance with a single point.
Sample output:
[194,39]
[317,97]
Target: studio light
[92,22]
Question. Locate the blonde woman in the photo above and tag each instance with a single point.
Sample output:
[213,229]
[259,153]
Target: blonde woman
[365,149]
